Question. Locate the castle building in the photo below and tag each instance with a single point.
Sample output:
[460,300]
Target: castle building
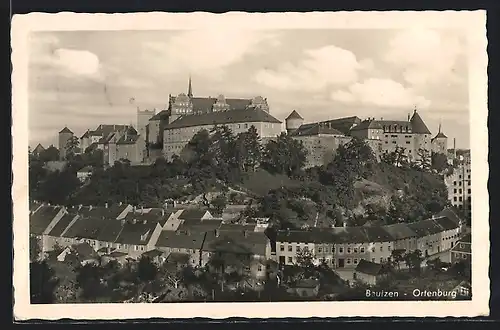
[169,130]
[440,143]
[321,139]
[64,136]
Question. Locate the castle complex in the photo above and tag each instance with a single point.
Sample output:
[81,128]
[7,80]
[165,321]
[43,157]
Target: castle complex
[165,133]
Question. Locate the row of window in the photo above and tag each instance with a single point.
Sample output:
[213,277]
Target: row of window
[460,183]
[460,199]
[460,191]
[332,249]
[348,261]
[110,245]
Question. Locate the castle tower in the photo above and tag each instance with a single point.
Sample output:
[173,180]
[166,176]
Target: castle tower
[64,136]
[143,117]
[440,142]
[293,122]
[190,89]
[420,132]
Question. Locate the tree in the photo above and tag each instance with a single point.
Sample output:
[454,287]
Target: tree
[88,279]
[285,155]
[49,154]
[42,283]
[218,204]
[71,147]
[146,269]
[423,161]
[305,258]
[35,249]
[248,149]
[439,162]
[413,260]
[398,256]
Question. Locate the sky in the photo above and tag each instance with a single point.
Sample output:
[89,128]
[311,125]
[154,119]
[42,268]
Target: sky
[81,79]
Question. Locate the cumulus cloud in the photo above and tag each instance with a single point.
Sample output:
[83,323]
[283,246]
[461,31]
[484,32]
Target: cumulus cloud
[382,93]
[322,67]
[208,49]
[425,56]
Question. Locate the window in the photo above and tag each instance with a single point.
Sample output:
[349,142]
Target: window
[341,250]
[355,250]
[454,183]
[355,261]
[459,191]
[381,248]
[455,190]
[389,248]
[460,198]
[320,249]
[290,259]
[362,249]
[259,268]
[455,198]
[289,248]
[459,183]
[373,249]
[468,191]
[373,259]
[348,250]
[282,248]
[381,260]
[348,261]
[408,142]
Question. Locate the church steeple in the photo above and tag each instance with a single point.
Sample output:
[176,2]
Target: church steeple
[190,88]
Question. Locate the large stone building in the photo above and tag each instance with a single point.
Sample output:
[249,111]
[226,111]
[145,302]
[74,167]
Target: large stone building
[440,143]
[459,187]
[169,130]
[321,139]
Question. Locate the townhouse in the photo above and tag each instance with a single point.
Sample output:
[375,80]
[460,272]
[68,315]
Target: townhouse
[462,250]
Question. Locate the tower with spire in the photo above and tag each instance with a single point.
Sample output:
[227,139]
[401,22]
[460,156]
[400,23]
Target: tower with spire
[190,88]
[440,142]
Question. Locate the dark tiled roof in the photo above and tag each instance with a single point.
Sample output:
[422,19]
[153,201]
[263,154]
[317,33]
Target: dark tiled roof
[370,268]
[42,218]
[192,214]
[237,227]
[154,215]
[173,239]
[440,135]
[39,148]
[294,115]
[62,224]
[66,130]
[104,130]
[376,234]
[425,227]
[162,115]
[367,124]
[446,223]
[136,233]
[343,125]
[223,117]
[418,124]
[399,231]
[315,129]
[462,247]
[304,236]
[450,214]
[236,242]
[86,169]
[34,205]
[106,138]
[110,231]
[128,139]
[86,227]
[200,226]
[84,251]
[117,254]
[466,238]
[153,253]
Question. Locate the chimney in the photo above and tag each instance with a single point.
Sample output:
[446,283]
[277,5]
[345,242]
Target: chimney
[144,221]
[216,233]
[174,202]
[142,210]
[134,221]
[408,117]
[120,204]
[90,207]
[106,205]
[123,222]
[162,212]
[80,207]
[245,233]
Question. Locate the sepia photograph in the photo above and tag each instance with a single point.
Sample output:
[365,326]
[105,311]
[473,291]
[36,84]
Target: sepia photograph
[192,159]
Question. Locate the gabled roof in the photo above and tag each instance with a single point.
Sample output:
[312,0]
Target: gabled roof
[40,220]
[110,231]
[315,129]
[162,115]
[39,148]
[62,224]
[86,227]
[425,227]
[236,242]
[399,231]
[84,251]
[450,214]
[294,115]
[367,124]
[136,233]
[192,214]
[200,226]
[172,239]
[370,268]
[418,125]
[205,104]
[343,125]
[223,117]
[440,135]
[153,253]
[65,130]
[128,139]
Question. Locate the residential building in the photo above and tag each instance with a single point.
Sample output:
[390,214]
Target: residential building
[370,273]
[404,238]
[306,288]
[189,243]
[38,150]
[460,188]
[84,173]
[462,250]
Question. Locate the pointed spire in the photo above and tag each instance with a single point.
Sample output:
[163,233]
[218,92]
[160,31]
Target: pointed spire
[190,88]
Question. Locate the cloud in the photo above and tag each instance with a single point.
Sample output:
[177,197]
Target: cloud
[80,62]
[426,56]
[382,93]
[208,50]
[329,65]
